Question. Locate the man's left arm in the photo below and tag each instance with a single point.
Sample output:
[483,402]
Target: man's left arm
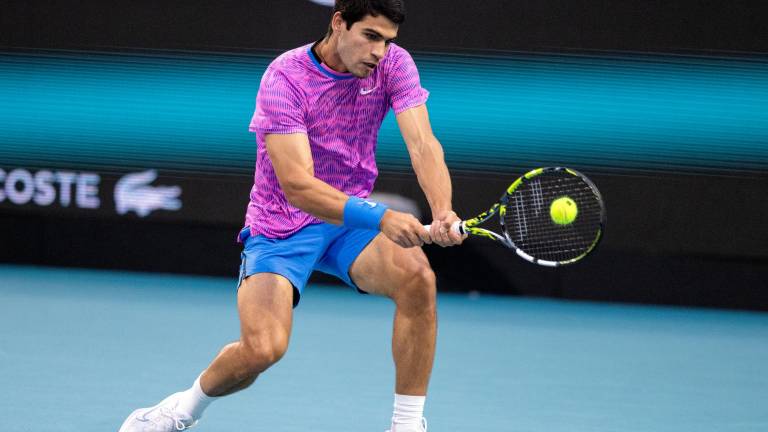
[430,168]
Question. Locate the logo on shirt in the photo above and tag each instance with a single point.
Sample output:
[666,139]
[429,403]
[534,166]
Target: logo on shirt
[367,91]
[134,193]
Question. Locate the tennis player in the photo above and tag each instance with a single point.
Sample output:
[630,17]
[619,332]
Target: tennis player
[318,112]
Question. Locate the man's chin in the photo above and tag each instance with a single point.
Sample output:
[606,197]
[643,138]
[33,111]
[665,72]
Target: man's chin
[364,73]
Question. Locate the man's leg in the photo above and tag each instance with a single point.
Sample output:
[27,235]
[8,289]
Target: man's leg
[405,276]
[265,305]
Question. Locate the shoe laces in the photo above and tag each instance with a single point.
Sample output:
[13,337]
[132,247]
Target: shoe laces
[163,414]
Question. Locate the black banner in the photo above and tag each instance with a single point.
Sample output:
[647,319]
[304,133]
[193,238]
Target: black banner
[445,25]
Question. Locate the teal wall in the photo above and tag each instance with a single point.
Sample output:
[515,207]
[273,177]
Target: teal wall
[190,111]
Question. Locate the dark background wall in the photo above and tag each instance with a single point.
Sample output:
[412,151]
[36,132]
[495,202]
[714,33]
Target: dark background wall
[692,233]
[659,26]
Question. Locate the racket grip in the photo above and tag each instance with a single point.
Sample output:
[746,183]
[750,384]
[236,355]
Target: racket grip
[457,227]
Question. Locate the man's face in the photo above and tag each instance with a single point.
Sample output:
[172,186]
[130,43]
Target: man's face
[365,43]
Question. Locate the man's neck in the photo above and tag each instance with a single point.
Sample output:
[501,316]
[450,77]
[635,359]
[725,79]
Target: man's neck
[326,50]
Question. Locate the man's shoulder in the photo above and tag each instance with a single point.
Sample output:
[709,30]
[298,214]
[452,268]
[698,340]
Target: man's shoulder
[397,54]
[397,60]
[294,60]
[395,49]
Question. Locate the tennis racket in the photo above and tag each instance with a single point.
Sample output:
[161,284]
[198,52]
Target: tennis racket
[549,216]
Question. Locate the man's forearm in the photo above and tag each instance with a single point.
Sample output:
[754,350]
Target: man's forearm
[430,168]
[317,198]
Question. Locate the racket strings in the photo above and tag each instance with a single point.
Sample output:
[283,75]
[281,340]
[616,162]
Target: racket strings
[529,225]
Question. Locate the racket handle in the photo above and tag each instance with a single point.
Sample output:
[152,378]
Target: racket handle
[457,227]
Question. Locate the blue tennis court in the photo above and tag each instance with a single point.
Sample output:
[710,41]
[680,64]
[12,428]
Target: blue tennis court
[80,349]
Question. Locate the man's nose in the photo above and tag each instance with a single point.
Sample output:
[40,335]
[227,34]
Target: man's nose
[379,50]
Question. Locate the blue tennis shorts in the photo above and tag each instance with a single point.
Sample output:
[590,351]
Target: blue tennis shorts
[325,247]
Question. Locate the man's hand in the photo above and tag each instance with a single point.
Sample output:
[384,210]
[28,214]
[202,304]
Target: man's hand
[403,229]
[441,232]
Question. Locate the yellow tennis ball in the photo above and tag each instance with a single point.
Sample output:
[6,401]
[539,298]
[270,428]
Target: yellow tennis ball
[563,210]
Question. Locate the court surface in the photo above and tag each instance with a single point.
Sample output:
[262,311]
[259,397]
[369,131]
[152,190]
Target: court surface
[80,349]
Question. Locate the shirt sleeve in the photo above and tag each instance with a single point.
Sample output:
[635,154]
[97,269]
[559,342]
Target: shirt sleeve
[279,106]
[403,83]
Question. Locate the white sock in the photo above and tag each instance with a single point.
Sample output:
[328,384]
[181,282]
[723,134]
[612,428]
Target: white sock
[194,401]
[408,413]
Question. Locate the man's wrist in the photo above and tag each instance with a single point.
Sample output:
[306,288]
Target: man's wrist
[437,214]
[363,214]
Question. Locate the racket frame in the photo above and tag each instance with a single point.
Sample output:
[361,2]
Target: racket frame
[470,226]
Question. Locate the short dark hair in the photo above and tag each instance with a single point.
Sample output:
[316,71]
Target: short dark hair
[353,11]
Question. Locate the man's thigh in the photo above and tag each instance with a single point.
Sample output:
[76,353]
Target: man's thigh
[265,305]
[383,266]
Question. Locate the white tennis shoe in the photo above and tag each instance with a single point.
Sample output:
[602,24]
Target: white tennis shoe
[162,417]
[421,428]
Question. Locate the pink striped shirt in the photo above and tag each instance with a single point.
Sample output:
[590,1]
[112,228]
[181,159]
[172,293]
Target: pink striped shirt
[340,114]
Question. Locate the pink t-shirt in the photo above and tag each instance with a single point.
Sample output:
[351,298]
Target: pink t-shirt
[341,115]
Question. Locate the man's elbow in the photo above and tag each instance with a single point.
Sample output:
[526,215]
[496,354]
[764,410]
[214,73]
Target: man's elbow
[295,191]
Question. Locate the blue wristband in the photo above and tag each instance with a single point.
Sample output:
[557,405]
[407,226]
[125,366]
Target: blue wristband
[363,214]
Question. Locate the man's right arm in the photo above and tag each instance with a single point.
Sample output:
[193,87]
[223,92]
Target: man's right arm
[292,161]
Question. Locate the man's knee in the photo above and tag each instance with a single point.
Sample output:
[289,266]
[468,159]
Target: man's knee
[418,291]
[261,351]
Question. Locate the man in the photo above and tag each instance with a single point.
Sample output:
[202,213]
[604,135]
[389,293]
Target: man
[318,112]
